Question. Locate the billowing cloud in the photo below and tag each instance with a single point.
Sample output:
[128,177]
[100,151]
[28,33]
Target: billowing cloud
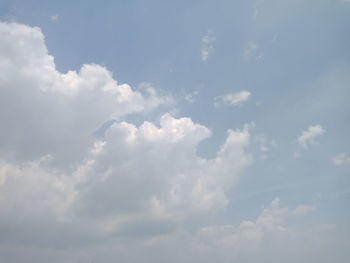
[55,173]
[309,136]
[233,99]
[80,181]
[44,111]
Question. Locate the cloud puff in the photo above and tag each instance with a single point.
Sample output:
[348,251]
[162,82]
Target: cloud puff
[233,99]
[309,136]
[341,159]
[207,46]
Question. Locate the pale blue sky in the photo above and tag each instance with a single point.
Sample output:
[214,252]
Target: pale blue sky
[291,57]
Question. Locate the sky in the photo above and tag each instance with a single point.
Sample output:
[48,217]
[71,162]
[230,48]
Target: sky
[174,131]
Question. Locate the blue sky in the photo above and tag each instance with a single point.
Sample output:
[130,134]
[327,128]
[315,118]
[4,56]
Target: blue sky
[225,131]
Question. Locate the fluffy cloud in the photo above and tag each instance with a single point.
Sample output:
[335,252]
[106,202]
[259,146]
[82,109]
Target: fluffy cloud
[234,99]
[44,111]
[341,159]
[54,173]
[67,195]
[309,136]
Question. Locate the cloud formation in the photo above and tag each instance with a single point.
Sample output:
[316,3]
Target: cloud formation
[56,173]
[309,136]
[46,112]
[96,184]
[232,99]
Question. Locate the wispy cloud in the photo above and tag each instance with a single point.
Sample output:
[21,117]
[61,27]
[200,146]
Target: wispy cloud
[207,46]
[233,99]
[341,159]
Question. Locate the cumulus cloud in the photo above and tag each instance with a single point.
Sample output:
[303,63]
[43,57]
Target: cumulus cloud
[207,46]
[54,173]
[133,187]
[233,99]
[309,136]
[264,145]
[44,111]
[341,159]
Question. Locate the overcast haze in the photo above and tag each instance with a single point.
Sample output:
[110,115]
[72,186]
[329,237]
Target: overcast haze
[174,131]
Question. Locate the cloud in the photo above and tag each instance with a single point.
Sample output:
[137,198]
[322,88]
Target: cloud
[44,111]
[309,136]
[56,175]
[234,99]
[207,46]
[341,159]
[252,52]
[133,187]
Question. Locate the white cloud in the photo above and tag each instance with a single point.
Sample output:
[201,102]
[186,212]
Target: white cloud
[44,111]
[341,159]
[234,99]
[207,46]
[309,136]
[137,188]
[252,52]
[55,174]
